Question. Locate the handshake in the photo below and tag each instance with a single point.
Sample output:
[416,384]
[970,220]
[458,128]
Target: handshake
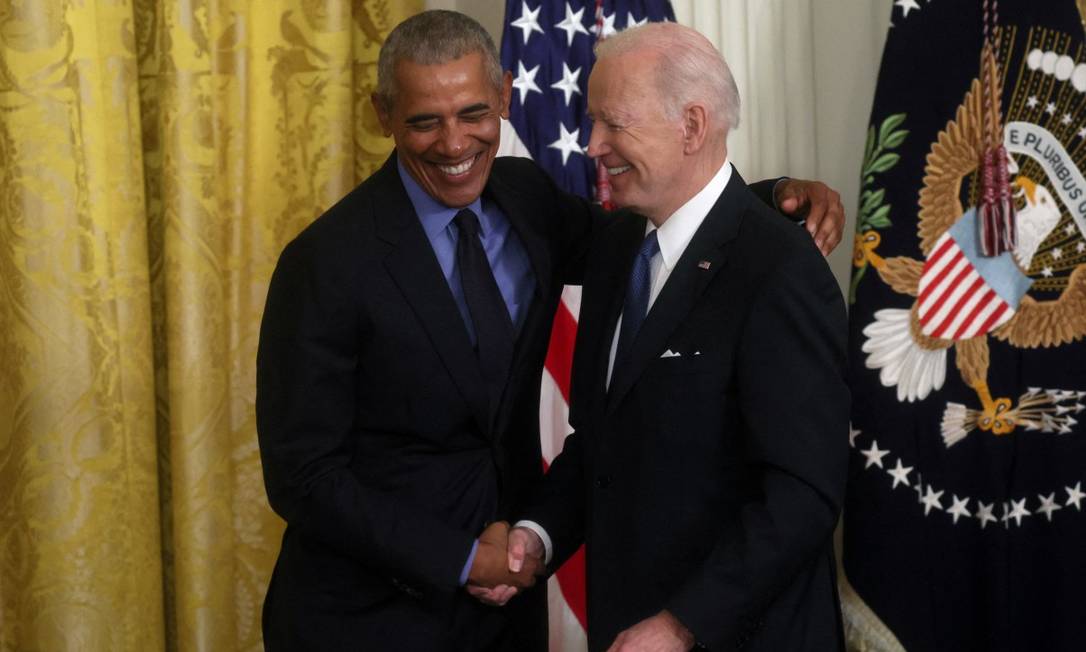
[506,562]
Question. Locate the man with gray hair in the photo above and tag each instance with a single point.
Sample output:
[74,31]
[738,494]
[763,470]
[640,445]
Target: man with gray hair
[399,368]
[707,467]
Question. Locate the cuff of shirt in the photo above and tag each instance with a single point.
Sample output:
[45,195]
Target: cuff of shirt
[471,560]
[543,536]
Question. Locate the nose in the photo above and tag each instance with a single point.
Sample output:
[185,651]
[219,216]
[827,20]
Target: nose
[453,139]
[597,141]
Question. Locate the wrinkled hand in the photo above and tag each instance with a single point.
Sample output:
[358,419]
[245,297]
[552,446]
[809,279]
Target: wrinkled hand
[489,578]
[661,633]
[524,546]
[819,205]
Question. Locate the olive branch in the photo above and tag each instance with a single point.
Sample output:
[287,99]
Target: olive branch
[874,212]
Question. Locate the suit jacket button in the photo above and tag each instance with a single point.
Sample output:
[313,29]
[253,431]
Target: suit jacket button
[603,481]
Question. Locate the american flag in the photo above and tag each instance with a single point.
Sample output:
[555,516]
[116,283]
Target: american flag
[548,46]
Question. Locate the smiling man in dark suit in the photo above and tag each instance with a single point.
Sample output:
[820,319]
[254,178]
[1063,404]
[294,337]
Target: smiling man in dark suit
[707,468]
[399,368]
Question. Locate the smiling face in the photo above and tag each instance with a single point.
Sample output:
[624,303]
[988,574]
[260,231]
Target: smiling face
[642,149]
[445,121]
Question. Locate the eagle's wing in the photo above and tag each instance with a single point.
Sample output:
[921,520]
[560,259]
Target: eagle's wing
[1049,323]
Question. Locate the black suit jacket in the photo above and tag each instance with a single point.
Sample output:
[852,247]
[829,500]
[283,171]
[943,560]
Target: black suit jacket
[380,446]
[709,482]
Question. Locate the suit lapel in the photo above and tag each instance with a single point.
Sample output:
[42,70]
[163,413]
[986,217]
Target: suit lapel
[603,299]
[703,259]
[414,268]
[528,223]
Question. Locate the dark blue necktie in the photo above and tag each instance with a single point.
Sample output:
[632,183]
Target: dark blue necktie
[637,295]
[489,314]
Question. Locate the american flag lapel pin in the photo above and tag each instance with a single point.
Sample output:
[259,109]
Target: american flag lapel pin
[705,264]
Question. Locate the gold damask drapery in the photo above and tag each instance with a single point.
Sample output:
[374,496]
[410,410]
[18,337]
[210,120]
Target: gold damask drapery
[155,156]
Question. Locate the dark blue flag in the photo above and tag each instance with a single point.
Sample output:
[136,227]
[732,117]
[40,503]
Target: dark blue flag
[548,46]
[964,523]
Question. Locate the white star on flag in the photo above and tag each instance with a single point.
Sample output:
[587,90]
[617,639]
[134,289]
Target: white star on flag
[608,26]
[568,83]
[931,500]
[1018,510]
[900,474]
[1066,119]
[958,509]
[1050,108]
[906,6]
[1032,102]
[633,22]
[1075,496]
[1082,133]
[572,25]
[567,143]
[528,21]
[1048,505]
[525,81]
[984,513]
[874,455]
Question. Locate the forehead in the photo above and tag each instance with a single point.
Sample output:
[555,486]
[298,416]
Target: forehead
[621,84]
[442,85]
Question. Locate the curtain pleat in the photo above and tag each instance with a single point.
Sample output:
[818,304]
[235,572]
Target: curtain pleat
[155,157]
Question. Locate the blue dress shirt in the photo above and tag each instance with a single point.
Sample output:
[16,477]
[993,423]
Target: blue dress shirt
[508,258]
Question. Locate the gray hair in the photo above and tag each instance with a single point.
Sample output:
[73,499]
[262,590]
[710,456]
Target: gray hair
[689,68]
[430,38]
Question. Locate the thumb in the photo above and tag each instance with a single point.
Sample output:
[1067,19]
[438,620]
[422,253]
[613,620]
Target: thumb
[790,200]
[517,549]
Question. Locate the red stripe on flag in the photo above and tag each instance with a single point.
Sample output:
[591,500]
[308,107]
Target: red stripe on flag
[571,579]
[933,260]
[958,305]
[985,299]
[962,273]
[994,317]
[930,288]
[560,352]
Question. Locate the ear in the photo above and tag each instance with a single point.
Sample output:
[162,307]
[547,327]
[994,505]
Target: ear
[507,93]
[695,127]
[382,113]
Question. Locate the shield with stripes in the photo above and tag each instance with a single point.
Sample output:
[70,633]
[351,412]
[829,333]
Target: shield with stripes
[962,294]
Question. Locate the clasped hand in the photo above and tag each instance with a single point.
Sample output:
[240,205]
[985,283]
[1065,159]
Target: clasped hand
[490,579]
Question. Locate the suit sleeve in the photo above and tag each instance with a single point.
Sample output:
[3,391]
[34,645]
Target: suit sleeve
[795,404]
[305,407]
[764,190]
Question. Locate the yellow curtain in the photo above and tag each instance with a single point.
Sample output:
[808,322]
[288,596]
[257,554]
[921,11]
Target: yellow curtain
[155,156]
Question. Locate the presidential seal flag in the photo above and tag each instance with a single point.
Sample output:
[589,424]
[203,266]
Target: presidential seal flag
[964,523]
[548,45]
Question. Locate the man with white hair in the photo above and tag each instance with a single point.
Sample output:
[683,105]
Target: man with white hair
[707,467]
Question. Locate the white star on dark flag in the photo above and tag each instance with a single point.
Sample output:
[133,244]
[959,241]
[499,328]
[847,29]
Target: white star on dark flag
[528,21]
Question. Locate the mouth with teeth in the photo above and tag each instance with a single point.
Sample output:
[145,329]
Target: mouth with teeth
[460,169]
[615,171]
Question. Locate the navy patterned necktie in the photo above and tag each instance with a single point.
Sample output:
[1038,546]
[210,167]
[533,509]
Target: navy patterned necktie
[637,295]
[489,314]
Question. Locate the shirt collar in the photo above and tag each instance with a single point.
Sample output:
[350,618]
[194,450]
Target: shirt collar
[434,215]
[678,229]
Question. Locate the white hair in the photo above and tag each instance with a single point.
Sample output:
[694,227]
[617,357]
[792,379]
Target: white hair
[690,68]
